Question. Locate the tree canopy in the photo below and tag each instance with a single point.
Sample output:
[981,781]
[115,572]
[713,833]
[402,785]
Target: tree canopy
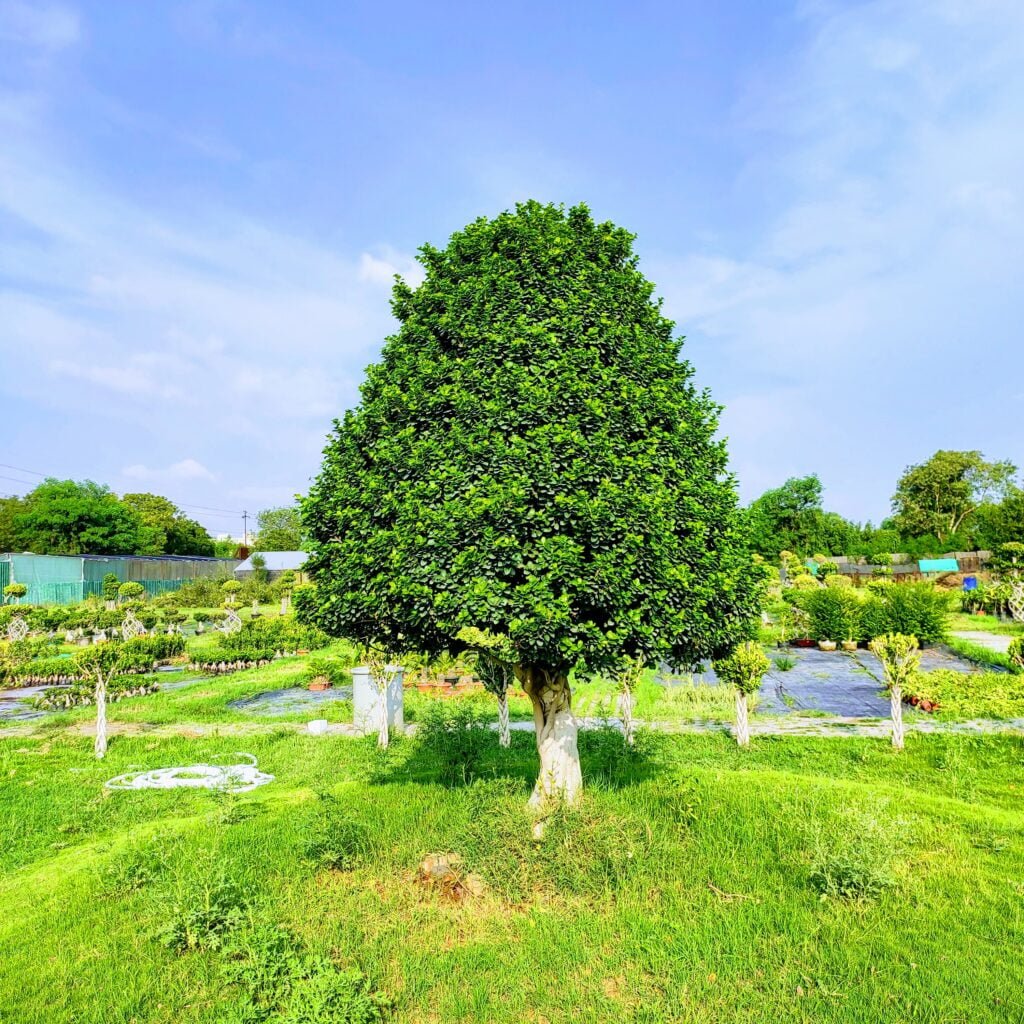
[941,495]
[791,518]
[531,457]
[67,517]
[279,529]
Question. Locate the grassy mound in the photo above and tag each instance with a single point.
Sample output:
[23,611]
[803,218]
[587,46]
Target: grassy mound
[818,880]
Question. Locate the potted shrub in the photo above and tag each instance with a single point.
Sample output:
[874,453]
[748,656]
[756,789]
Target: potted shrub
[801,629]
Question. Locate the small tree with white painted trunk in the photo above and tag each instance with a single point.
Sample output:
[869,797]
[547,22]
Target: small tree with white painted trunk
[101,662]
[629,679]
[743,670]
[495,665]
[900,660]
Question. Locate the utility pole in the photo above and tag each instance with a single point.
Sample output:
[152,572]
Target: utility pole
[245,529]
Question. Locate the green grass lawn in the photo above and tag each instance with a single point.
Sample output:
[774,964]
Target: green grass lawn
[802,880]
[986,624]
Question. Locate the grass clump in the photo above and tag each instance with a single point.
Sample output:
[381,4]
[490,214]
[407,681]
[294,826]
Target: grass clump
[203,913]
[336,841]
[853,861]
[278,982]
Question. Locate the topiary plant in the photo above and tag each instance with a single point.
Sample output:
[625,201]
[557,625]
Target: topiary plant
[14,592]
[131,591]
[531,457]
[111,584]
[743,669]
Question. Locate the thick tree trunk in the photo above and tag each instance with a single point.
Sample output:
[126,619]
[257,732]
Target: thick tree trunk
[101,717]
[560,777]
[742,720]
[504,739]
[896,713]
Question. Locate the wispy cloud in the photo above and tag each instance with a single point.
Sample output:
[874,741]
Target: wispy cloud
[39,25]
[885,278]
[186,469]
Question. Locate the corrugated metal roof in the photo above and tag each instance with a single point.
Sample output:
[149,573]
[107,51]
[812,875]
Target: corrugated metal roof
[276,561]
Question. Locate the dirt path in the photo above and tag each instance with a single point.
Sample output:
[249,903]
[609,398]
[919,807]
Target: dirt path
[993,641]
[836,726]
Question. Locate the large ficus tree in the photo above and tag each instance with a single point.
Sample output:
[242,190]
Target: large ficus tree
[531,458]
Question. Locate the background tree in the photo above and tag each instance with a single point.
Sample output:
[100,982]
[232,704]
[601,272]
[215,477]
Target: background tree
[495,664]
[62,517]
[8,509]
[791,518]
[531,457]
[164,529]
[941,495]
[279,529]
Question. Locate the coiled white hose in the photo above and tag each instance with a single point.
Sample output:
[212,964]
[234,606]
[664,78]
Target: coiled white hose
[230,778]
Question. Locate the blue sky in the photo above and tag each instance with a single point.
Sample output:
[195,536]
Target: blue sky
[202,205]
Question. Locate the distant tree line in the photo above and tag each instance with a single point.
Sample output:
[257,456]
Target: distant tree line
[954,501]
[68,517]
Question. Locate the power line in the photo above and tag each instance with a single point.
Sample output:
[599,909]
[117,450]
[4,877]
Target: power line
[18,469]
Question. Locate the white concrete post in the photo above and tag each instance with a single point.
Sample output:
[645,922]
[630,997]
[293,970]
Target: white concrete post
[366,701]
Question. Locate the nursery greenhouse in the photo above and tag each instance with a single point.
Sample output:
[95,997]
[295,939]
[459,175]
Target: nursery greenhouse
[64,579]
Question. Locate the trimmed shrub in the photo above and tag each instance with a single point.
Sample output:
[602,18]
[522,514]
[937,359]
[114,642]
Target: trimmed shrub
[917,609]
[835,614]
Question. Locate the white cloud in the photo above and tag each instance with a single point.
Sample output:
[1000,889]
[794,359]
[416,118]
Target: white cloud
[885,274]
[45,26]
[381,270]
[186,469]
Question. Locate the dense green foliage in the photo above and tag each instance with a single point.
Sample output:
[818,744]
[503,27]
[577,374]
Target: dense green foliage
[791,518]
[279,529]
[260,639]
[938,496]
[840,613]
[531,457]
[65,517]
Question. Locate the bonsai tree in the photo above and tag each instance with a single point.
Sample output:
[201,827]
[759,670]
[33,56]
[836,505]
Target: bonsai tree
[230,589]
[111,584]
[383,670]
[101,662]
[531,457]
[131,591]
[495,664]
[287,583]
[743,669]
[900,661]
[14,592]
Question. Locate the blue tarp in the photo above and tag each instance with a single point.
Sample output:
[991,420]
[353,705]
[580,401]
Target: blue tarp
[927,565]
